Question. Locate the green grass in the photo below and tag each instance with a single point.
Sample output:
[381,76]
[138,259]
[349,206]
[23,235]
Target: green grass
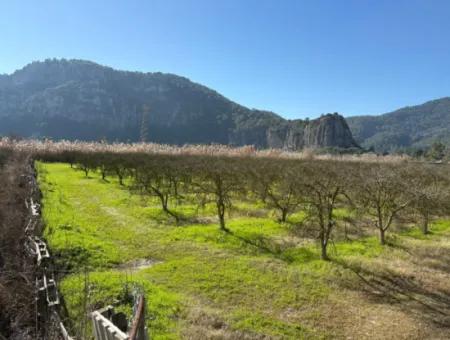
[366,247]
[162,306]
[250,320]
[249,277]
[437,228]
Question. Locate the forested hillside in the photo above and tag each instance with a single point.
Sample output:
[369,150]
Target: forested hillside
[76,99]
[410,127]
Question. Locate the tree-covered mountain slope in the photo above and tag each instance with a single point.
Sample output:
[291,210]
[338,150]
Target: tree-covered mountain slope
[77,99]
[410,127]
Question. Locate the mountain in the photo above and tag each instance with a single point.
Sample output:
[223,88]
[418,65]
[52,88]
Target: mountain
[77,99]
[410,127]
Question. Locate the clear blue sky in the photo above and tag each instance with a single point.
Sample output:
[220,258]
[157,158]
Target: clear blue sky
[299,58]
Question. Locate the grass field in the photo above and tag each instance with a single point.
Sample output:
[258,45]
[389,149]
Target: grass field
[262,280]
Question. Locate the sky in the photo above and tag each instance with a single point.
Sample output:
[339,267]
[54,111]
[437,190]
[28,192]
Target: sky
[298,58]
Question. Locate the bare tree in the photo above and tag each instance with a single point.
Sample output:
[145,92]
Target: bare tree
[217,179]
[382,192]
[160,177]
[85,163]
[274,181]
[321,186]
[120,169]
[102,162]
[430,193]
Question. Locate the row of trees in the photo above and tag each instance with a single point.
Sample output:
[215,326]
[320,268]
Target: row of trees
[377,190]
[436,152]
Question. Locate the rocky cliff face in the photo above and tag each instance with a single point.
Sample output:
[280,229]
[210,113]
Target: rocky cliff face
[330,130]
[75,99]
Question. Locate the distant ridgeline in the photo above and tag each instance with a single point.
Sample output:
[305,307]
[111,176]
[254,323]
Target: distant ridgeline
[75,99]
[410,128]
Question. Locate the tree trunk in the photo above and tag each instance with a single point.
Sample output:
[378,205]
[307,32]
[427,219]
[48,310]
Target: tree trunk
[171,213]
[283,215]
[324,254]
[221,215]
[119,175]
[165,206]
[222,223]
[382,237]
[425,224]
[323,244]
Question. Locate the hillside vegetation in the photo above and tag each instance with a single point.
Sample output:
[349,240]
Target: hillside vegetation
[410,127]
[245,259]
[82,100]
[17,291]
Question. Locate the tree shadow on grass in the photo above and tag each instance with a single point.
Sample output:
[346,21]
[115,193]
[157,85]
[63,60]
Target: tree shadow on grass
[286,252]
[434,258]
[437,258]
[404,291]
[394,243]
[186,220]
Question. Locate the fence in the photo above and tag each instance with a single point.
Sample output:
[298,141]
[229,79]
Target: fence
[138,329]
[104,328]
[111,326]
[107,324]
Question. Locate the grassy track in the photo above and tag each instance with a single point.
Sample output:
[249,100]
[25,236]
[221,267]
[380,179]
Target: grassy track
[259,279]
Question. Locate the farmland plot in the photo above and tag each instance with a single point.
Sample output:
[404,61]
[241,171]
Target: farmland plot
[262,279]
